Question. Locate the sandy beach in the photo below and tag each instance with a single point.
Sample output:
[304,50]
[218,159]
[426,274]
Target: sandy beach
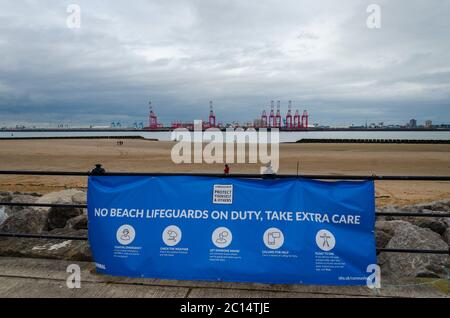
[154,156]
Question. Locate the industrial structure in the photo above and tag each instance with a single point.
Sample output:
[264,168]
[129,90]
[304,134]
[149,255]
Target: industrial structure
[212,116]
[275,119]
[153,119]
[211,123]
[289,123]
[272,115]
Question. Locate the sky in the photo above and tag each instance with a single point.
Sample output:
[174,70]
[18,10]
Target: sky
[240,54]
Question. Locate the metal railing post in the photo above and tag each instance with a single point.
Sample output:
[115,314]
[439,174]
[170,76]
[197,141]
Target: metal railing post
[98,170]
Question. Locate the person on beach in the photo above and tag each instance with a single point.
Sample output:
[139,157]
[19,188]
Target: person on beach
[269,169]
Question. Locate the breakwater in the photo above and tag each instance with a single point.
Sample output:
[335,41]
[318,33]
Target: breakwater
[374,141]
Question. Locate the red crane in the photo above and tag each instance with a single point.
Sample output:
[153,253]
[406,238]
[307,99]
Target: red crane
[305,119]
[278,116]
[289,116]
[264,119]
[272,115]
[297,122]
[153,119]
[212,116]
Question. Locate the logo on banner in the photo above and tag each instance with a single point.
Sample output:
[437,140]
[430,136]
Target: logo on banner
[125,234]
[171,235]
[223,194]
[325,240]
[222,237]
[273,238]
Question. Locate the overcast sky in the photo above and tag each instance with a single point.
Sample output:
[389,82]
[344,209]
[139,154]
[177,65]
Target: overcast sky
[240,54]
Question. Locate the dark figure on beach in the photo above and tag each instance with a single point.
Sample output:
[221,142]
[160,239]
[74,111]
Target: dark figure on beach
[226,170]
[98,170]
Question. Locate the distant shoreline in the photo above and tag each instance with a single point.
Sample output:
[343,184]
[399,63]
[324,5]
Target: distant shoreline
[373,141]
[306,136]
[305,141]
[168,129]
[78,137]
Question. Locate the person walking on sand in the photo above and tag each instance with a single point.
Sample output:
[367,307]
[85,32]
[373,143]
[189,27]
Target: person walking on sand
[226,170]
[269,169]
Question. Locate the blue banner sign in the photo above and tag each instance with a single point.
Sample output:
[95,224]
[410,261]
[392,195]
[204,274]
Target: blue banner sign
[291,231]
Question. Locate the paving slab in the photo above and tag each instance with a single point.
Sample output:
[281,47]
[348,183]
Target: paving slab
[243,293]
[25,277]
[19,287]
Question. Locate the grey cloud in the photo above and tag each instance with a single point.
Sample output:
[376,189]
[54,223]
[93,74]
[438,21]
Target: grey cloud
[240,54]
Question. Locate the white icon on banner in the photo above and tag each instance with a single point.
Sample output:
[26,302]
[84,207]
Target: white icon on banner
[125,234]
[273,238]
[171,235]
[325,240]
[222,237]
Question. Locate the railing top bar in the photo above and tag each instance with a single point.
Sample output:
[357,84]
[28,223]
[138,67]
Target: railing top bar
[413,251]
[45,205]
[221,175]
[438,214]
[44,173]
[43,236]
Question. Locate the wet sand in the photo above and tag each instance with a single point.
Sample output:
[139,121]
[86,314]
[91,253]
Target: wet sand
[154,156]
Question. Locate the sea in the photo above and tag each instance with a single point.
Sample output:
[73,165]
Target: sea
[285,136]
